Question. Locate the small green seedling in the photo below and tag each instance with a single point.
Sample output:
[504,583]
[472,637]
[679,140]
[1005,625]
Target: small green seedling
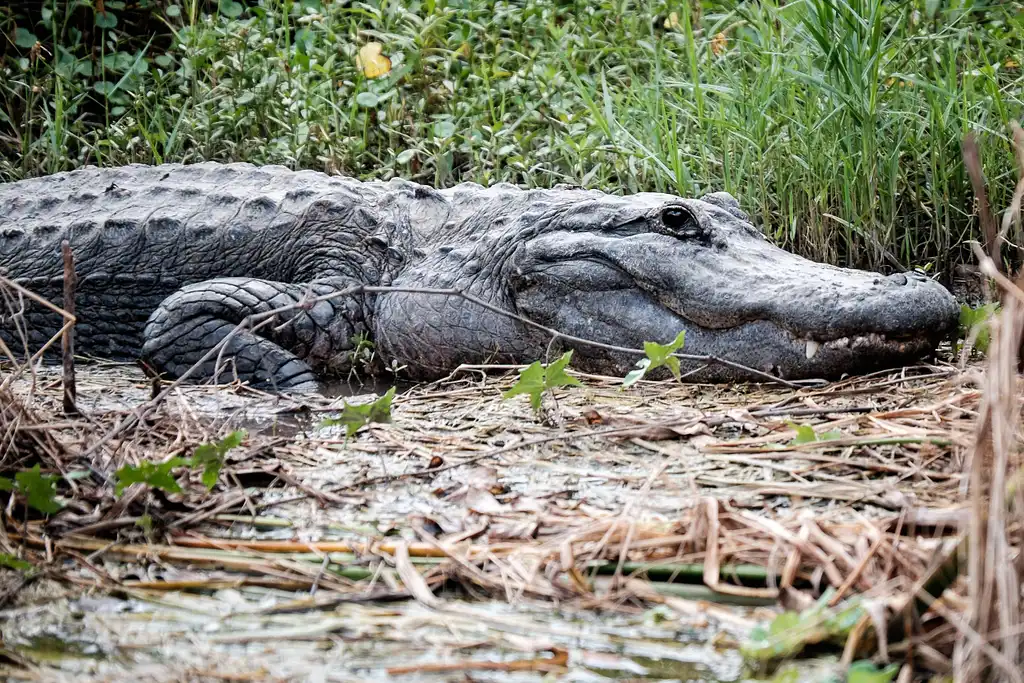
[12,562]
[145,522]
[361,355]
[355,416]
[40,490]
[864,671]
[976,321]
[537,379]
[209,456]
[790,632]
[657,356]
[157,476]
[806,434]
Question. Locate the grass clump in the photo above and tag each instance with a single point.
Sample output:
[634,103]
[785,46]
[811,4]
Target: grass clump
[838,125]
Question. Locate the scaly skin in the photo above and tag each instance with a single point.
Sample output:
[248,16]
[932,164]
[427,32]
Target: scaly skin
[171,258]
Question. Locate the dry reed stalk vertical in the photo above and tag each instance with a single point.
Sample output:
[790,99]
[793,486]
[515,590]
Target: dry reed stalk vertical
[993,578]
[1012,214]
[972,162]
[67,341]
[994,610]
[993,581]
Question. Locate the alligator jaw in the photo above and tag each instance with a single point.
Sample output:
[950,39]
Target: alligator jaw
[773,347]
[871,340]
[759,345]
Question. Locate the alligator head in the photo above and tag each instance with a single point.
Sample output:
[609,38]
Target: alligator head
[625,270]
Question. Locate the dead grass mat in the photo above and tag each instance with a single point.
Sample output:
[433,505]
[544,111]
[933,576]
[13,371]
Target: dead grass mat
[608,500]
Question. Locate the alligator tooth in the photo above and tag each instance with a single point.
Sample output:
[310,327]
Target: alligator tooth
[812,348]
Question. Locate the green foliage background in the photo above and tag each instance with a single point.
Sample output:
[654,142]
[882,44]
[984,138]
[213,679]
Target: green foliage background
[837,124]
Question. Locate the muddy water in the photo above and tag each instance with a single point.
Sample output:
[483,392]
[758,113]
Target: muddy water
[175,636]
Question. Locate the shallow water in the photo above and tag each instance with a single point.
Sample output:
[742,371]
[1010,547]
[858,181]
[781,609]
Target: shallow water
[169,636]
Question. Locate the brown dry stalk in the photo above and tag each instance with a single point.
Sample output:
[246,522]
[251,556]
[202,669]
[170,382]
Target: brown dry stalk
[415,550]
[1013,213]
[67,340]
[972,162]
[412,579]
[994,609]
[712,564]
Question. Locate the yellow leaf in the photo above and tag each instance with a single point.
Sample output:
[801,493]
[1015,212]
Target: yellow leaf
[1011,64]
[373,63]
[672,21]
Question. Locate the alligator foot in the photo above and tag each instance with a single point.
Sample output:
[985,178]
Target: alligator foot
[265,333]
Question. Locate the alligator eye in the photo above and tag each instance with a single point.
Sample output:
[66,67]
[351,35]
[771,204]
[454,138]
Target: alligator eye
[680,222]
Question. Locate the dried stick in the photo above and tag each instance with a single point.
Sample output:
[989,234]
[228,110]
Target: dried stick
[1013,212]
[68,338]
[972,162]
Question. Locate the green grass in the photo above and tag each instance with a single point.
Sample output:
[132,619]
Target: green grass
[837,124]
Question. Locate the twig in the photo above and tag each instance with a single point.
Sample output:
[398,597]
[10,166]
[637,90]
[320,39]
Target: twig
[1018,193]
[972,162]
[68,338]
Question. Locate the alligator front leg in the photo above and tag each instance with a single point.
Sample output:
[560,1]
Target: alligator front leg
[286,351]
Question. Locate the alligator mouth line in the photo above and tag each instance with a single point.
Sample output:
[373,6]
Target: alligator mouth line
[872,341]
[878,343]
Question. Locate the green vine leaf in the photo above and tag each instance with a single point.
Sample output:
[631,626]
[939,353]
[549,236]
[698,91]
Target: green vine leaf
[865,671]
[40,490]
[230,8]
[790,632]
[658,355]
[12,562]
[536,379]
[152,474]
[980,318]
[355,416]
[106,20]
[24,38]
[211,456]
[806,434]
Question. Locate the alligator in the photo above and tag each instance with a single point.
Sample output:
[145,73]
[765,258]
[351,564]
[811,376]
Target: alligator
[172,259]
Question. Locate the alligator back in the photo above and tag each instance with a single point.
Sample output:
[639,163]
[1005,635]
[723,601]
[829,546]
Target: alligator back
[139,233]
